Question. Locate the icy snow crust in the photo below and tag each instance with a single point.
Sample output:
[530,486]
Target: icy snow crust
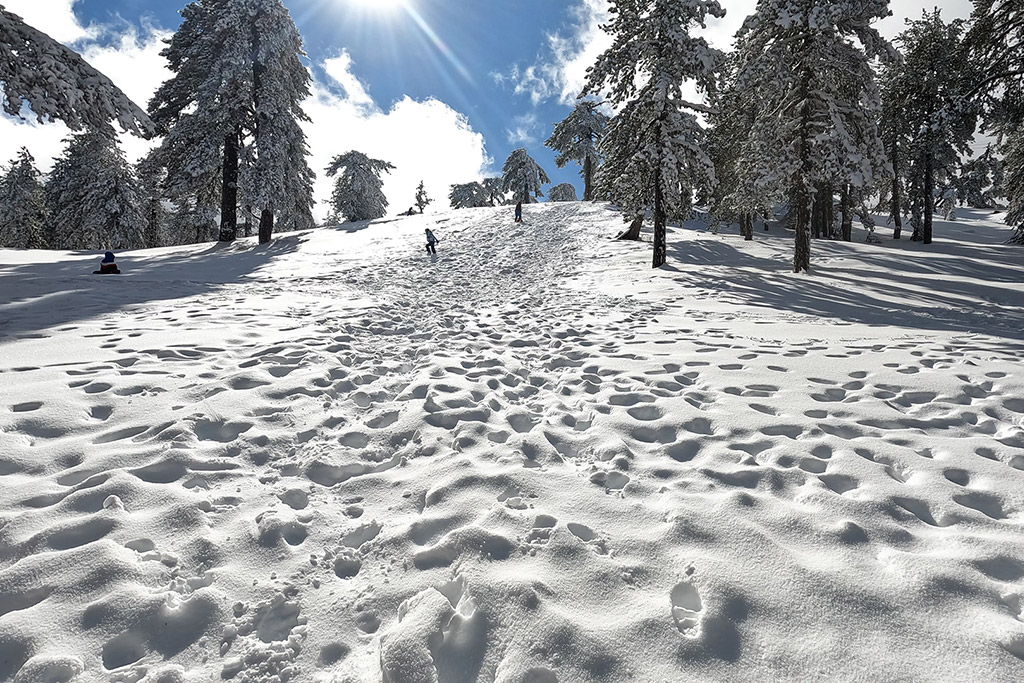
[529,460]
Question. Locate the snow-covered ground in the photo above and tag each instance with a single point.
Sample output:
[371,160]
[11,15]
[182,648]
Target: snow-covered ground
[529,459]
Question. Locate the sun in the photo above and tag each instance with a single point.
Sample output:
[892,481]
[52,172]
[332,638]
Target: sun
[377,5]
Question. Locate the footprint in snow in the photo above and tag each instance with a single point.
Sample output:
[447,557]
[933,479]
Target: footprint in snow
[687,608]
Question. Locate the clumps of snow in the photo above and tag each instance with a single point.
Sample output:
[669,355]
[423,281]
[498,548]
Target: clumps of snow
[529,459]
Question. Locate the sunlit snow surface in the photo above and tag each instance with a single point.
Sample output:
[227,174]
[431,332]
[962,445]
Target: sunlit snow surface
[530,459]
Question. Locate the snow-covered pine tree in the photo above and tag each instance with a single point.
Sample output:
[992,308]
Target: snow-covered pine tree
[655,149]
[941,117]
[469,196]
[523,177]
[1013,148]
[576,138]
[422,200]
[23,214]
[995,39]
[979,181]
[151,177]
[735,195]
[276,176]
[94,198]
[232,111]
[56,83]
[358,193]
[566,192]
[895,130]
[492,187]
[807,65]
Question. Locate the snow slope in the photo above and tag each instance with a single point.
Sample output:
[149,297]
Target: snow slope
[529,459]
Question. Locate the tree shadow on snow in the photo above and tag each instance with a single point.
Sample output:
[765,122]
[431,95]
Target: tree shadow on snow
[40,295]
[952,285]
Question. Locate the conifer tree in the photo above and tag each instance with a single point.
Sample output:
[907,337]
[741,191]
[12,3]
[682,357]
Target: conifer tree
[807,64]
[576,138]
[734,195]
[523,177]
[358,191]
[151,177]
[1014,150]
[94,197]
[23,214]
[492,187]
[994,40]
[232,111]
[940,118]
[566,192]
[56,83]
[469,196]
[655,149]
[422,200]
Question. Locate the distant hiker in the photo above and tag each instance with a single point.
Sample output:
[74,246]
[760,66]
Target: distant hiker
[107,265]
[519,212]
[431,241]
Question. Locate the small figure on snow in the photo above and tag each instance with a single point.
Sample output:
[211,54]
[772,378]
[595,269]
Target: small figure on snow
[431,241]
[107,265]
[519,212]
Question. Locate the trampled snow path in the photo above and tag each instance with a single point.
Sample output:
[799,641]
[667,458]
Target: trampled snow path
[527,460]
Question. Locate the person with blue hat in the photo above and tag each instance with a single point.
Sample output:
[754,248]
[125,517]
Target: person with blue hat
[107,265]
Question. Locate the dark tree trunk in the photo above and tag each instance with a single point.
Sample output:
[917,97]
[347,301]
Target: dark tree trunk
[266,225]
[802,248]
[660,224]
[829,218]
[588,179]
[929,198]
[802,253]
[633,232]
[247,226]
[816,217]
[229,190]
[897,210]
[747,226]
[847,214]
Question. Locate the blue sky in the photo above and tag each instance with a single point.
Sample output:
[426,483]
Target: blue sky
[444,89]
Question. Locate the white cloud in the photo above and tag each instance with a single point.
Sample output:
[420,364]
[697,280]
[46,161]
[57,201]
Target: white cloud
[340,70]
[524,130]
[562,72]
[426,140]
[55,18]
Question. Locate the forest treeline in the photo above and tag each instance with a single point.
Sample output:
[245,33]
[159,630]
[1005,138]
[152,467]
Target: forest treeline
[812,119]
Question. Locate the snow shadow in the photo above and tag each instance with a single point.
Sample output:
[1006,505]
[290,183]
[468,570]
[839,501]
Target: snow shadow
[39,295]
[951,285]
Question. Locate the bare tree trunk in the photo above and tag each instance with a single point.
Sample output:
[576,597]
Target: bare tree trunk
[633,232]
[897,210]
[802,248]
[266,225]
[588,178]
[229,190]
[929,198]
[802,253]
[747,226]
[660,224]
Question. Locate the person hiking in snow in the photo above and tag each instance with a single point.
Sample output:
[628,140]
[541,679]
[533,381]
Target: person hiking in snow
[431,241]
[519,212]
[107,265]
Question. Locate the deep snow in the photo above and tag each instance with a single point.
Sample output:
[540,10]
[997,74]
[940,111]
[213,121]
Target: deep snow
[529,459]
